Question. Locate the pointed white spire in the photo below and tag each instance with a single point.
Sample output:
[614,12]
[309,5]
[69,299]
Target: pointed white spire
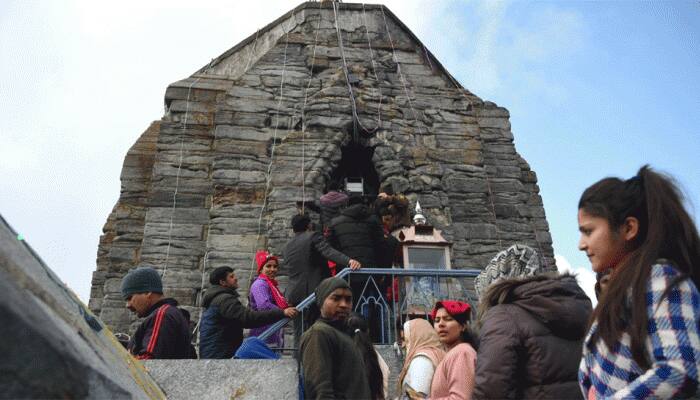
[419,218]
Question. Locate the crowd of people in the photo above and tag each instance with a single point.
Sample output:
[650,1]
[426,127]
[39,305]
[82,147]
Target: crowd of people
[534,333]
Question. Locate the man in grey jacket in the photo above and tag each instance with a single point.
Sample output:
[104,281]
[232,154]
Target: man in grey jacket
[305,259]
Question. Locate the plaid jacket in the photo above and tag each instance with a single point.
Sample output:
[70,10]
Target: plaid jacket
[672,346]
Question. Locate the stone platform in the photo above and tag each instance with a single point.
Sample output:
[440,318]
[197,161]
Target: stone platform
[225,379]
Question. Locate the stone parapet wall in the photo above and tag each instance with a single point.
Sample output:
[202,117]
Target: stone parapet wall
[226,379]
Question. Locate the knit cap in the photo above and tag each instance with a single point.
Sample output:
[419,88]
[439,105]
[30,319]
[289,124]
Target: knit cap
[327,286]
[334,199]
[141,280]
[516,261]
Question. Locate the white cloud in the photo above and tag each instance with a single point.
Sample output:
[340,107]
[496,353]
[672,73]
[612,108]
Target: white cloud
[482,66]
[553,34]
[584,276]
[502,48]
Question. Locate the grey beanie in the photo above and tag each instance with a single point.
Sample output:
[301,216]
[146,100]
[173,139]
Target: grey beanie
[141,280]
[516,261]
[326,287]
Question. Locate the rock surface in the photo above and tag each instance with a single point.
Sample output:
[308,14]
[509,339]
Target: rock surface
[226,379]
[220,175]
[52,346]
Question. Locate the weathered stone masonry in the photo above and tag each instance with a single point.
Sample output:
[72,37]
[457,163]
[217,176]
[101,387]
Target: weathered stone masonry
[231,120]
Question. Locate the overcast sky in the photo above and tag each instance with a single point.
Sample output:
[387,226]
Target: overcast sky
[594,89]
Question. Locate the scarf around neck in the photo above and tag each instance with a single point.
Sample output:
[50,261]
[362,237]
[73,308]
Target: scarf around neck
[276,294]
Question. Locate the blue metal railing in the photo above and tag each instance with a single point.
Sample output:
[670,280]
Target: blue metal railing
[393,272]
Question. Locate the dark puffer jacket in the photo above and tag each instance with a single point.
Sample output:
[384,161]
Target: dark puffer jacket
[223,320]
[357,234]
[531,337]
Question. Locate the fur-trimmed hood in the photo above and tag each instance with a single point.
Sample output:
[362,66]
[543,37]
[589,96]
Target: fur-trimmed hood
[555,300]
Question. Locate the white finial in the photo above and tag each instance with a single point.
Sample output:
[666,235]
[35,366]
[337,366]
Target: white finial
[419,218]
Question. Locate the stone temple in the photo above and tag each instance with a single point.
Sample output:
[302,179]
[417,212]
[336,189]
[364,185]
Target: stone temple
[327,91]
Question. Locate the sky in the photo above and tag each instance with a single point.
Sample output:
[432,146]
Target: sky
[594,89]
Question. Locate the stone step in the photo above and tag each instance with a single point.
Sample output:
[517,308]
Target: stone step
[242,379]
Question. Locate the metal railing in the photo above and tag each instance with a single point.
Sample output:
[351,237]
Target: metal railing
[409,293]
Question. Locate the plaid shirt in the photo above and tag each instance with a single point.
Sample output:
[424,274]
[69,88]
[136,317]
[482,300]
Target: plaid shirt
[672,347]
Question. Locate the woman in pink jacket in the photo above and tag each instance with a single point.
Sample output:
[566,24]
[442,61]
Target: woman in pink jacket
[454,376]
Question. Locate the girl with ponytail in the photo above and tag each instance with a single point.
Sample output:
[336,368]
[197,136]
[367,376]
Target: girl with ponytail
[377,369]
[643,340]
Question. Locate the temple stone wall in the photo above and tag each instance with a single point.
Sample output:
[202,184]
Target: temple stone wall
[220,175]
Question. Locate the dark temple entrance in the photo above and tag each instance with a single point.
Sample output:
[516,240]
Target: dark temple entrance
[355,164]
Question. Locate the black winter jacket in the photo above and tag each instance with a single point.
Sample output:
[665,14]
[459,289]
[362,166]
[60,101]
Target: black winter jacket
[223,320]
[530,339]
[357,234]
[164,333]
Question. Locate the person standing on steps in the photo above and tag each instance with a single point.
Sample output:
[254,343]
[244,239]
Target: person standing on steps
[332,366]
[224,317]
[305,258]
[265,295]
[164,332]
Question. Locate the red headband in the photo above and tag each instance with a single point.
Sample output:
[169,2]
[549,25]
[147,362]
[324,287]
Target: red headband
[452,307]
[262,257]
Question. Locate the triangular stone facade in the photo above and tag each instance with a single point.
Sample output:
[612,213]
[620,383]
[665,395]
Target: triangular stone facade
[195,192]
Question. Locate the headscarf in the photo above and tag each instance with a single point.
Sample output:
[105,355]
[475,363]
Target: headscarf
[516,261]
[276,294]
[262,257]
[420,338]
[326,287]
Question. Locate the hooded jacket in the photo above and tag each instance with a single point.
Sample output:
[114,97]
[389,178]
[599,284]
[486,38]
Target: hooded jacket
[357,233]
[531,338]
[223,320]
